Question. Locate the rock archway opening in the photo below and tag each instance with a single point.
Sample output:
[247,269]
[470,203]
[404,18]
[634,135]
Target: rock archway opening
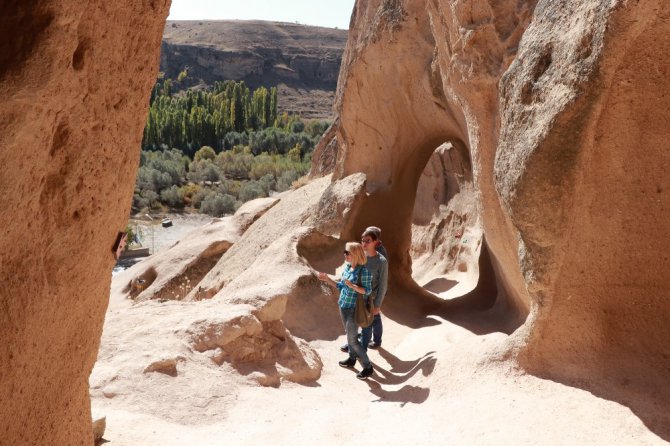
[447,233]
[439,260]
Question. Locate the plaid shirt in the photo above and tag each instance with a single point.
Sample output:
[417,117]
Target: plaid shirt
[348,295]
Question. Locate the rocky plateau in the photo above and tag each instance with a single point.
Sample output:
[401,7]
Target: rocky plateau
[302,61]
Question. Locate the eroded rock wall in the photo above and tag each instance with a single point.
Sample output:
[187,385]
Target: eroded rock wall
[394,115]
[563,110]
[75,79]
[581,168]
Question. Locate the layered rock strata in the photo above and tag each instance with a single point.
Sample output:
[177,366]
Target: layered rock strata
[301,61]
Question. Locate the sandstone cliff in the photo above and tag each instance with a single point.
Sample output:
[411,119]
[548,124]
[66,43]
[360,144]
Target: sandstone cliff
[303,62]
[75,79]
[561,109]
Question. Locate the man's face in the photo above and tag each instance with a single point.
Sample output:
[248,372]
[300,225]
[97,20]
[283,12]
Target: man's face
[369,245]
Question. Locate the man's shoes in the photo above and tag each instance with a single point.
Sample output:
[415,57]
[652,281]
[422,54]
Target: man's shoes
[349,362]
[374,345]
[365,373]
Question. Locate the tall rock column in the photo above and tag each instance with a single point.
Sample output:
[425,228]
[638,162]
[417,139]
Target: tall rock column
[75,80]
[582,169]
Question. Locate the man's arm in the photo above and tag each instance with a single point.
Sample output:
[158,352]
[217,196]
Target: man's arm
[383,283]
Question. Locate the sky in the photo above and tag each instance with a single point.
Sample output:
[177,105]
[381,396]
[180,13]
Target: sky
[331,13]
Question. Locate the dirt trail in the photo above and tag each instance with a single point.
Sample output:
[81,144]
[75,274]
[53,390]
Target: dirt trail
[432,385]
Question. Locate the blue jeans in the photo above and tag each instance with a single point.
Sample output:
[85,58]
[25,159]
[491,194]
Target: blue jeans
[374,331]
[356,350]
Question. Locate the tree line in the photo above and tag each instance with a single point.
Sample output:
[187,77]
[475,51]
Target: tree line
[195,118]
[212,150]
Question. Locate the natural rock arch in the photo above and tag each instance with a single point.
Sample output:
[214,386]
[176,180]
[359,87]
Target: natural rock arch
[552,122]
[392,116]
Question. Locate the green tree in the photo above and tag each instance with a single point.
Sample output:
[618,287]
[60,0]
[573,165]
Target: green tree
[182,75]
[204,170]
[250,190]
[173,197]
[217,205]
[205,153]
[295,153]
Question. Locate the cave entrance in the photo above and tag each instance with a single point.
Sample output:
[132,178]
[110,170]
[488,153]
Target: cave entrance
[448,252]
[426,202]
[446,228]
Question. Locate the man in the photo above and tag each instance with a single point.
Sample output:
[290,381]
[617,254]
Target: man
[377,260]
[378,267]
[378,244]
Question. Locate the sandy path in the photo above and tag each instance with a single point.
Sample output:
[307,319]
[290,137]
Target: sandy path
[434,385]
[431,386]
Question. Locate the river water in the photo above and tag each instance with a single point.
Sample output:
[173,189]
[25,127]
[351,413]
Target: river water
[154,236]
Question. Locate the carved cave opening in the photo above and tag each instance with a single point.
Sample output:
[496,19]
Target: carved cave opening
[447,270]
[446,228]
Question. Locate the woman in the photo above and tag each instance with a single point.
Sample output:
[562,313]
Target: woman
[355,279]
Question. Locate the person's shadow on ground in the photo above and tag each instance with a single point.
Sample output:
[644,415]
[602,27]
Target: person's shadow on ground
[400,372]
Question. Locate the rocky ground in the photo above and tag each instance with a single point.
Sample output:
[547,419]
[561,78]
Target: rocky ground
[175,371]
[430,387]
[154,236]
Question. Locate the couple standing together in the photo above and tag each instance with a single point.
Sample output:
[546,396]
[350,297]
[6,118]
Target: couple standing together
[365,272]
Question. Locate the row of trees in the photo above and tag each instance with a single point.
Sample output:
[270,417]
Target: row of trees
[195,118]
[212,150]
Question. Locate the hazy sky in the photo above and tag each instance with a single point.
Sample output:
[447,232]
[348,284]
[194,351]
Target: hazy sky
[331,13]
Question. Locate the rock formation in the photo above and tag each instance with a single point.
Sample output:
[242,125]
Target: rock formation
[555,115]
[561,108]
[75,79]
[581,169]
[237,297]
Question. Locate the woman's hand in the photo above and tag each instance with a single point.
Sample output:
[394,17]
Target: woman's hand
[323,277]
[349,284]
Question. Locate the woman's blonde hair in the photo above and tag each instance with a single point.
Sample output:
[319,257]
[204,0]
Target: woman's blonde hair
[357,254]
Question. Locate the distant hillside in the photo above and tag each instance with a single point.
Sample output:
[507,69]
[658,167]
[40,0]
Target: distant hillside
[303,62]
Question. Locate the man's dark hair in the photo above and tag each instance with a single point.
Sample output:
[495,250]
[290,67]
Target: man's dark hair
[371,234]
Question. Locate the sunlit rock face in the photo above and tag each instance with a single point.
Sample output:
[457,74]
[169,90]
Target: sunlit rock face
[561,108]
[75,80]
[581,168]
[393,117]
[557,115]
